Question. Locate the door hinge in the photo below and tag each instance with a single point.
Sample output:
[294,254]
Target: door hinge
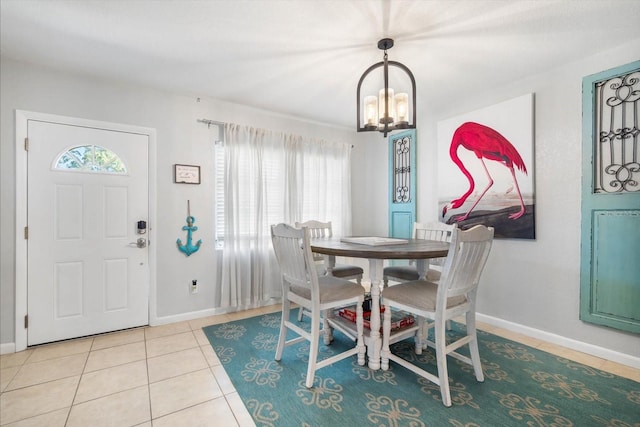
[26,321]
[26,144]
[26,233]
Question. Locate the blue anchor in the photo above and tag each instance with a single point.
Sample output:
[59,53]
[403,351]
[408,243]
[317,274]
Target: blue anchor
[189,248]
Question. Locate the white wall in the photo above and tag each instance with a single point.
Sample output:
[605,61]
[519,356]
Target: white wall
[533,284]
[527,284]
[180,139]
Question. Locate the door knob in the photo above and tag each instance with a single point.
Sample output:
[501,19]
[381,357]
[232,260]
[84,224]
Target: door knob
[140,243]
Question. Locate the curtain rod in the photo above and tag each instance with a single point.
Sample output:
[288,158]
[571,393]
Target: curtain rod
[216,123]
[209,122]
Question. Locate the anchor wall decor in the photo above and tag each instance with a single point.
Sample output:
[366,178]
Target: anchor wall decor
[189,248]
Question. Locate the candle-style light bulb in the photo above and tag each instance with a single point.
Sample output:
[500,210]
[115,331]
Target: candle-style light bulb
[371,111]
[402,109]
[389,119]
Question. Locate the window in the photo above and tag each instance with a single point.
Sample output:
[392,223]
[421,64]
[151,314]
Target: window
[286,179]
[218,164]
[90,158]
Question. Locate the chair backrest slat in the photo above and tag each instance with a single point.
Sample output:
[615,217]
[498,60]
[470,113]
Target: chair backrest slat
[317,229]
[434,231]
[293,252]
[465,262]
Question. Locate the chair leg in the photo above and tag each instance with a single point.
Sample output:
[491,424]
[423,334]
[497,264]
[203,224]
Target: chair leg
[283,328]
[421,335]
[425,333]
[313,348]
[327,330]
[473,346]
[385,282]
[441,357]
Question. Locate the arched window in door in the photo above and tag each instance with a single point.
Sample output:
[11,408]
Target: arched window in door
[90,158]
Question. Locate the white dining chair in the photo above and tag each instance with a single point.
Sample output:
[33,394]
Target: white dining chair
[300,285]
[453,296]
[324,229]
[428,231]
[319,229]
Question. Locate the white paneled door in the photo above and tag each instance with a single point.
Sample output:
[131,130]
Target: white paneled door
[87,264]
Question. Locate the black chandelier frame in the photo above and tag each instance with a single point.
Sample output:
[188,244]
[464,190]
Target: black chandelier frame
[386,127]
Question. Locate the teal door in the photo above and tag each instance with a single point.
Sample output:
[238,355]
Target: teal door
[610,253]
[402,184]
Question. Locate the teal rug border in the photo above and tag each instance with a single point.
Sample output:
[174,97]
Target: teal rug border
[523,386]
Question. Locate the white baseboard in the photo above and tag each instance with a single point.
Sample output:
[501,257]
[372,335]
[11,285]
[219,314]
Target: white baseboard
[164,320]
[6,348]
[594,350]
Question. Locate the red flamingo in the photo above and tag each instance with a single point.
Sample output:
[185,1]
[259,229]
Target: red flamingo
[486,143]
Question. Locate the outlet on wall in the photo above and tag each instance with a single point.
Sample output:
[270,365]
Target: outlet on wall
[194,286]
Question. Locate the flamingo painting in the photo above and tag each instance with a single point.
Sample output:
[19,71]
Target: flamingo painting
[485,143]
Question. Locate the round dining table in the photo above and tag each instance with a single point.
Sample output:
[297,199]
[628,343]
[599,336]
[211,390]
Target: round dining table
[377,250]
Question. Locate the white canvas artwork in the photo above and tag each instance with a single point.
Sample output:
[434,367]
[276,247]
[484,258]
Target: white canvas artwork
[486,168]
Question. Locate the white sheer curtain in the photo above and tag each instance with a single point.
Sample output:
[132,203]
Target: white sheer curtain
[272,177]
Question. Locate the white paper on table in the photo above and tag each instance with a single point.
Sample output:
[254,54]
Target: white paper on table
[374,241]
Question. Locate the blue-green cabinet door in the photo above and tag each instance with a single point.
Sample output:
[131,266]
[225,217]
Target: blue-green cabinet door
[402,184]
[610,252]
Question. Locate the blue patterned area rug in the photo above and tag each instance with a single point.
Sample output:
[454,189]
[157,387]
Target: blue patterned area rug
[523,386]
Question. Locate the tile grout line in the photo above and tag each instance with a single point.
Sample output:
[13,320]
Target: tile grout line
[66,421]
[224,395]
[146,362]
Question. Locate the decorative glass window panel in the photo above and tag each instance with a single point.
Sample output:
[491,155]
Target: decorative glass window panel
[617,121]
[402,170]
[90,158]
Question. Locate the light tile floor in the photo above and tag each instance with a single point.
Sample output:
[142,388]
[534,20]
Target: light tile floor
[155,376]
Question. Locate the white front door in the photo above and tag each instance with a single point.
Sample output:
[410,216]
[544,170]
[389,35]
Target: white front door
[88,188]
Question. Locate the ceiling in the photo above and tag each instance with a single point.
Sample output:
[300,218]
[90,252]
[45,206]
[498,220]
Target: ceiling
[304,58]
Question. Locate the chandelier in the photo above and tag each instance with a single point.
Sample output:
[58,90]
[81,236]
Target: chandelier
[387,111]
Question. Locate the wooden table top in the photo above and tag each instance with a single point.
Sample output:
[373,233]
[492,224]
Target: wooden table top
[413,249]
